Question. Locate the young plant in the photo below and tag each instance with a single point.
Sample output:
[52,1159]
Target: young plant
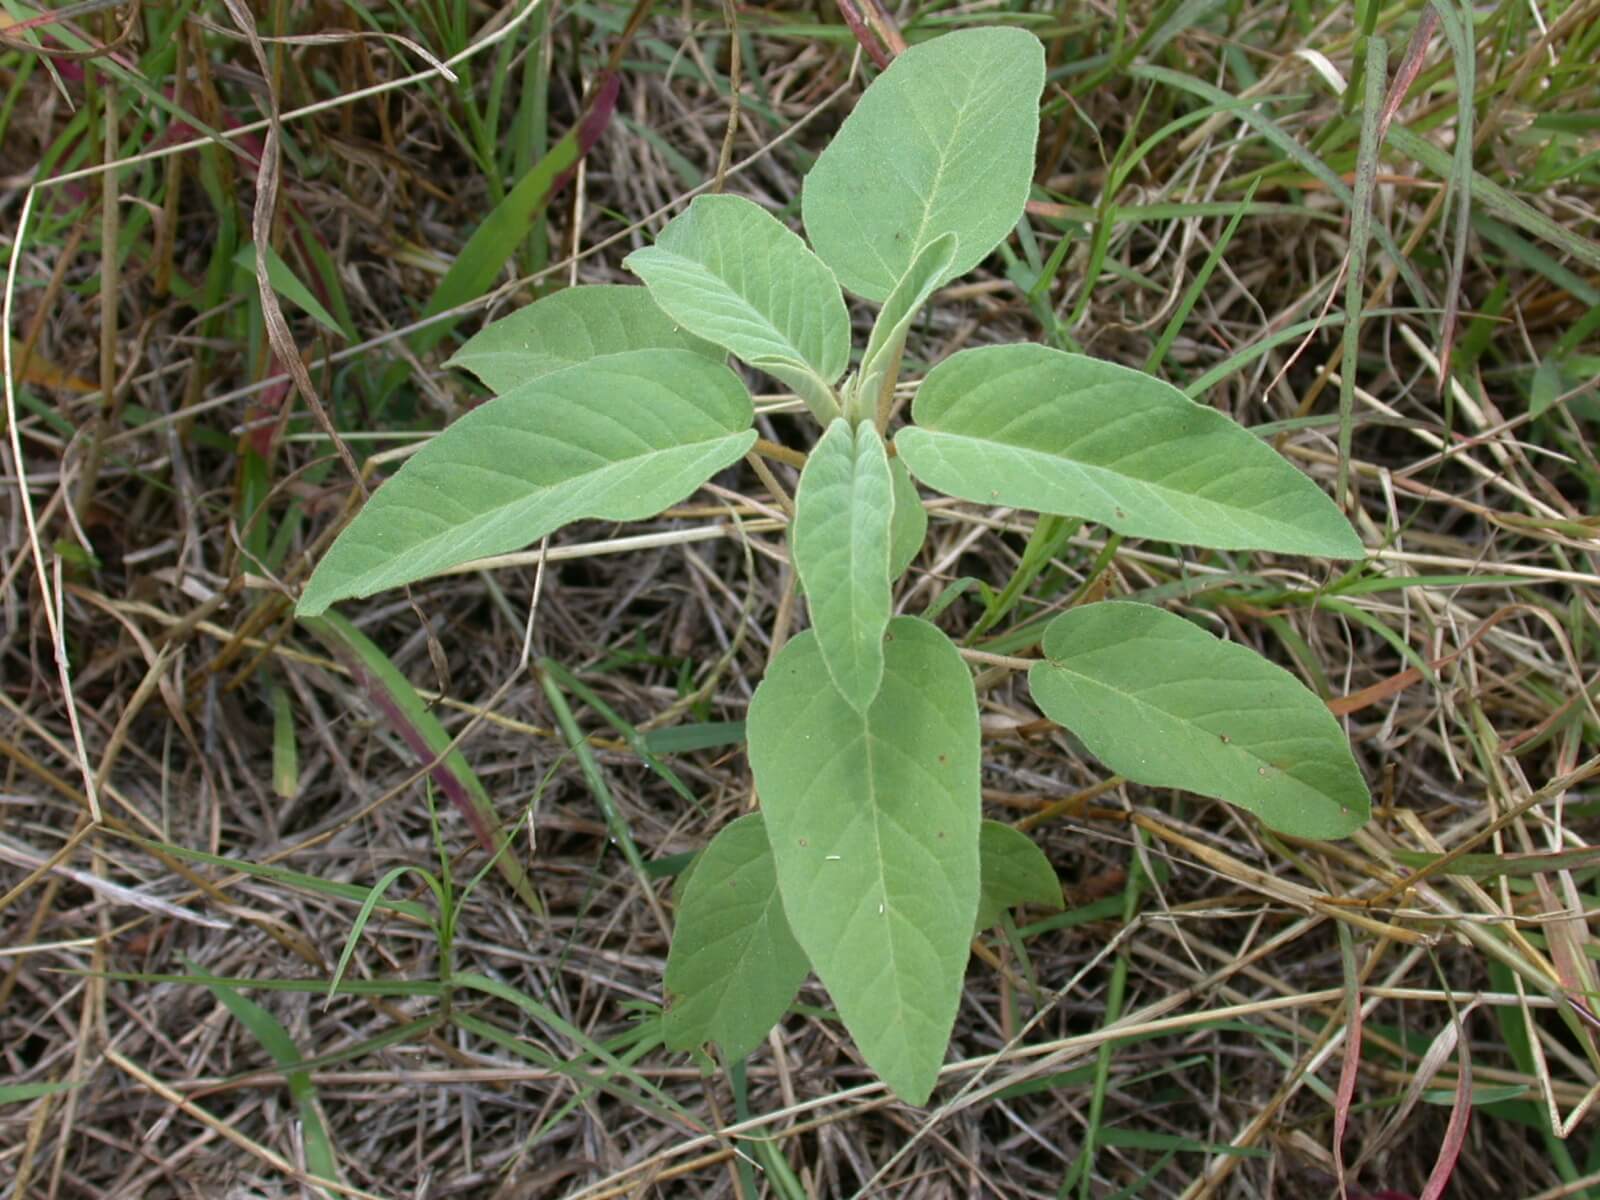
[868,861]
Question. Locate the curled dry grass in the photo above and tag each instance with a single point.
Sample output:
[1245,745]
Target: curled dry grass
[1188,1028]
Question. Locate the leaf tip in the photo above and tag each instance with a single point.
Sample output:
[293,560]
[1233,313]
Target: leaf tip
[311,605]
[1353,548]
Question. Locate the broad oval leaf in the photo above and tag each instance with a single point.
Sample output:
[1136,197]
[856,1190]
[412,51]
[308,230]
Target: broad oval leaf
[840,538]
[1161,701]
[910,527]
[1037,428]
[570,327]
[873,821]
[942,142]
[1012,870]
[619,438]
[732,273]
[734,967]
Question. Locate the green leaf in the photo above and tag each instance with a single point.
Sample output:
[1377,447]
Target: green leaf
[734,967]
[1032,427]
[1495,866]
[942,142]
[506,227]
[618,438]
[680,739]
[570,327]
[1161,701]
[1012,871]
[1546,387]
[873,821]
[887,342]
[730,272]
[287,284]
[840,540]
[1487,194]
[314,884]
[910,526]
[321,1159]
[285,749]
[16,1093]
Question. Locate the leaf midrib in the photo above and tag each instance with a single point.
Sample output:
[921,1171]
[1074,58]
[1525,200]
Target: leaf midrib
[962,118]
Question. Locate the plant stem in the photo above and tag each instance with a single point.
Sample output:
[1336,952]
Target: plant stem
[998,660]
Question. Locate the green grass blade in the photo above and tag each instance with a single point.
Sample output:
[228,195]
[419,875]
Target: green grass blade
[1497,199]
[657,1099]
[1197,285]
[1049,535]
[1457,25]
[275,1040]
[287,284]
[392,694]
[285,751]
[371,902]
[1292,150]
[347,987]
[17,1093]
[640,744]
[507,227]
[593,776]
[680,739]
[313,884]
[1500,866]
[1094,1135]
[1356,268]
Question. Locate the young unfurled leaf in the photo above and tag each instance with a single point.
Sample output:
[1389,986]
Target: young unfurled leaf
[1032,427]
[570,327]
[942,142]
[620,438]
[841,541]
[734,967]
[887,341]
[1158,699]
[873,820]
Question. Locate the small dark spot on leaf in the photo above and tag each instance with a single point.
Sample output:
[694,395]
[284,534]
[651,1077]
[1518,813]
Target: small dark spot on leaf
[1226,738]
[944,761]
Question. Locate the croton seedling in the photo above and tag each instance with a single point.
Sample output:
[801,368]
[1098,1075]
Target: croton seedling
[868,861]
